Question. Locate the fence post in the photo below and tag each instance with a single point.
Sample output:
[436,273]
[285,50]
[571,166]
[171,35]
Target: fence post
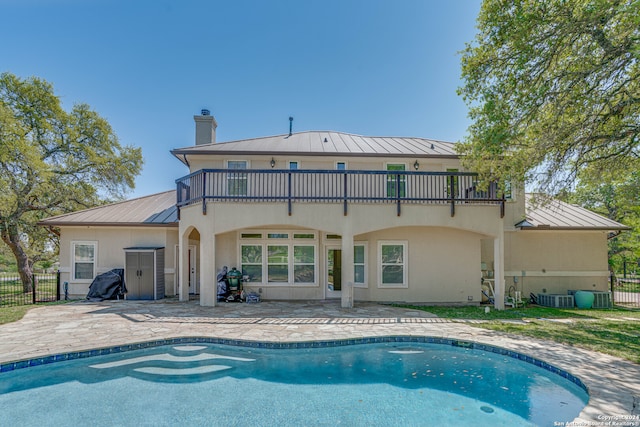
[452,195]
[612,279]
[398,193]
[289,192]
[34,282]
[58,286]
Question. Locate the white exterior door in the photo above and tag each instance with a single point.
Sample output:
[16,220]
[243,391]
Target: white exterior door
[191,267]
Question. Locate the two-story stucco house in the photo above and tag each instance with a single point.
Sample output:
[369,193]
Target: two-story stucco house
[320,215]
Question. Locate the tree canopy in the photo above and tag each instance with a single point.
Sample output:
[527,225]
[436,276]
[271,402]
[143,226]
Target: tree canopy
[52,162]
[614,194]
[553,88]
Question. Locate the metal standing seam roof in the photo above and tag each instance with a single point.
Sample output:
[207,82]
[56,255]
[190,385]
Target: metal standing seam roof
[317,143]
[154,210]
[557,215]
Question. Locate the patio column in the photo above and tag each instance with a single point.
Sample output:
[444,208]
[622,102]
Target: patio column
[183,266]
[208,285]
[498,269]
[346,298]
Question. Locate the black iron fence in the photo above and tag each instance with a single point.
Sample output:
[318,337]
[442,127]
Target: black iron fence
[626,291]
[45,288]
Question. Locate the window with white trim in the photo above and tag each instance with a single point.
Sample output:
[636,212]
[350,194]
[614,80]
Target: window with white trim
[392,257]
[251,262]
[359,264]
[293,165]
[279,257]
[236,181]
[83,261]
[508,190]
[396,184]
[278,263]
[341,166]
[304,264]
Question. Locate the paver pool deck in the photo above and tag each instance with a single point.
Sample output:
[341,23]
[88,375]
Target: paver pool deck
[613,383]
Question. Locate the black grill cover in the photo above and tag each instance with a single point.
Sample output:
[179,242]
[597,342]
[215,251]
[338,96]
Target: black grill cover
[109,285]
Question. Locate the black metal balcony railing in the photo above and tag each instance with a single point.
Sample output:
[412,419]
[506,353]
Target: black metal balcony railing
[331,186]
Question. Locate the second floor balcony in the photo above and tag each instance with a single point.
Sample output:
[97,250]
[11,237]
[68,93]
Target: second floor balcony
[335,186]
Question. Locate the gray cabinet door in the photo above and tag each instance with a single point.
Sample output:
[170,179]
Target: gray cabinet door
[132,275]
[147,270]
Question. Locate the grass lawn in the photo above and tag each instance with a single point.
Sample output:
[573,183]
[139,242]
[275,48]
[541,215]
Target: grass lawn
[614,331]
[13,314]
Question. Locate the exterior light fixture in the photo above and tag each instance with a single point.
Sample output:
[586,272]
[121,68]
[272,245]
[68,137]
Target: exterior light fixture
[273,163]
[416,165]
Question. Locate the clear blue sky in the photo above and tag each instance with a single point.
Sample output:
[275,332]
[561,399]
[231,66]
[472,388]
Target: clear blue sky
[369,67]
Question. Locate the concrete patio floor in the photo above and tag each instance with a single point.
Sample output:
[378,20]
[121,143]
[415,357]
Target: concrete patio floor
[613,383]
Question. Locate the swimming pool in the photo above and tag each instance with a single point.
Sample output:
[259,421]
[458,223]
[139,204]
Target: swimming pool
[388,381]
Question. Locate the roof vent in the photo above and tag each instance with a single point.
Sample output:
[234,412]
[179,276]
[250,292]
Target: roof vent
[290,125]
[432,146]
[205,112]
[325,140]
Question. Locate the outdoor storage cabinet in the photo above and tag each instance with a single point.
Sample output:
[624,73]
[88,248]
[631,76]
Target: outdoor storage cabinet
[144,273]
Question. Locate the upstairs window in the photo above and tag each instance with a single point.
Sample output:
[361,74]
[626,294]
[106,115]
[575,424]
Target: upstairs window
[236,180]
[396,185]
[455,189]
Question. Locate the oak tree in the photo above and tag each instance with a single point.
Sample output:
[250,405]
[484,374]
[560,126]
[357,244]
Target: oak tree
[52,161]
[553,87]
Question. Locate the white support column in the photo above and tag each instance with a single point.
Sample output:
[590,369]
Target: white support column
[498,267]
[208,285]
[183,266]
[346,300]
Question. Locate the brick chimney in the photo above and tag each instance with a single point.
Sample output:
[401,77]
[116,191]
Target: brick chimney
[205,128]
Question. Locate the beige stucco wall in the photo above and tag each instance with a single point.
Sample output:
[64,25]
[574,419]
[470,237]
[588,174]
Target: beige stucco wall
[197,162]
[110,253]
[443,266]
[451,246]
[556,261]
[361,218]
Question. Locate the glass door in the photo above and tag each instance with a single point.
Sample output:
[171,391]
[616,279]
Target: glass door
[334,272]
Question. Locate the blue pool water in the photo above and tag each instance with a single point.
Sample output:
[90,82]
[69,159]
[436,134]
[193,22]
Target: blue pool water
[384,384]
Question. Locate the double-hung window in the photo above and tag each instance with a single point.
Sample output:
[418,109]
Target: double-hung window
[83,260]
[278,263]
[251,262]
[396,184]
[236,179]
[359,264]
[453,180]
[304,264]
[393,263]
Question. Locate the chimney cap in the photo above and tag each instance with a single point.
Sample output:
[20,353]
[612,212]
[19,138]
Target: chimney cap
[205,112]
